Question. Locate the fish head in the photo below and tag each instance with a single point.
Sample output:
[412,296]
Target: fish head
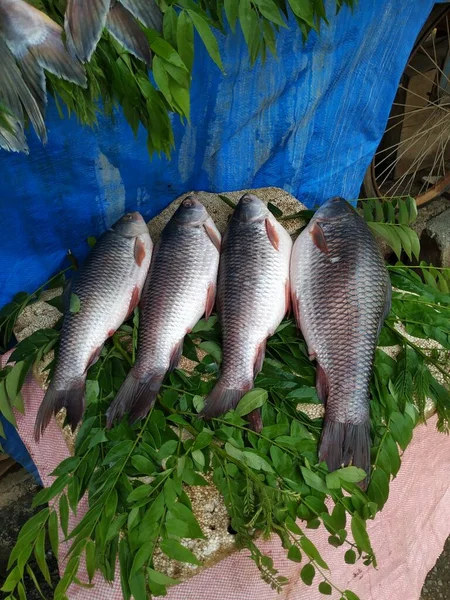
[250,208]
[130,225]
[334,208]
[191,212]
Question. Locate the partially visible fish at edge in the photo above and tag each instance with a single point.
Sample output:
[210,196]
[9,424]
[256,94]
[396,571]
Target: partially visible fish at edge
[253,297]
[180,288]
[108,286]
[341,294]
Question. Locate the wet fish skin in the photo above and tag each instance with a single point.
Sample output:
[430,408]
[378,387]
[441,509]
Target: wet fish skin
[253,297]
[108,287]
[341,295]
[180,288]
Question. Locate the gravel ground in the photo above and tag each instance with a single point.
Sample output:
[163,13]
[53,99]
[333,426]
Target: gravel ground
[16,496]
[437,583]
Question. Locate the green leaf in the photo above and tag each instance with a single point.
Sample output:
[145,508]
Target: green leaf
[5,405]
[91,241]
[115,526]
[309,548]
[185,39]
[161,578]
[64,514]
[231,11]
[175,550]
[139,493]
[389,235]
[270,10]
[53,532]
[90,559]
[325,588]
[350,557]
[207,37]
[295,554]
[137,586]
[118,451]
[405,239]
[203,440]
[161,79]
[412,209]
[351,474]
[39,553]
[183,529]
[304,10]
[213,349]
[251,401]
[350,595]
[403,214]
[75,303]
[143,465]
[142,556]
[12,580]
[313,480]
[35,581]
[257,462]
[378,490]
[307,574]
[167,449]
[359,533]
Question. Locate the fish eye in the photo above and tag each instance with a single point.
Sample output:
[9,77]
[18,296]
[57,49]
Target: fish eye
[128,217]
[188,203]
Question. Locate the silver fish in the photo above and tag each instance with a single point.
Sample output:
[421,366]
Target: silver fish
[109,288]
[85,20]
[180,288]
[29,43]
[341,294]
[253,297]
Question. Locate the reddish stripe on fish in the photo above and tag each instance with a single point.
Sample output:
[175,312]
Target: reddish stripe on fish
[139,251]
[318,237]
[134,301]
[210,299]
[272,234]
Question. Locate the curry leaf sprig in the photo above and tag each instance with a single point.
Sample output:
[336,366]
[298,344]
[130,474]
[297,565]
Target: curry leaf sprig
[116,78]
[136,478]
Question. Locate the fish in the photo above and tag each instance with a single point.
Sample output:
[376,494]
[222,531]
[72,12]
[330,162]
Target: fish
[108,287]
[180,288]
[85,20]
[30,42]
[253,297]
[341,295]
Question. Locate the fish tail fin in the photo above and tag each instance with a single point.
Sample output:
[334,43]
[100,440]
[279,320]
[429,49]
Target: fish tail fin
[71,398]
[221,399]
[344,444]
[123,27]
[255,420]
[136,396]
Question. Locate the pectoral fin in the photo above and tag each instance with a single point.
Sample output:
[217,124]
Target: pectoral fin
[318,237]
[272,234]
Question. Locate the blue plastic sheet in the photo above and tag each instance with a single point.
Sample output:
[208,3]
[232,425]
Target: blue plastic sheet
[308,121]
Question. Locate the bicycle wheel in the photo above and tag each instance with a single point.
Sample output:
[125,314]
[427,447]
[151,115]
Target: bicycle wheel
[413,157]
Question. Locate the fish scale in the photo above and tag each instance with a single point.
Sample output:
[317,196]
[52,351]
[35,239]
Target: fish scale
[179,289]
[341,294]
[108,287]
[175,295]
[252,284]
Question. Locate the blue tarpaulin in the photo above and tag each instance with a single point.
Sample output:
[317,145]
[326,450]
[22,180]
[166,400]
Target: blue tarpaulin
[308,121]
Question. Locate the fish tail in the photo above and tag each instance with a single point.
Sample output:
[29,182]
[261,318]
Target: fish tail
[136,396]
[221,399]
[121,24]
[346,443]
[72,399]
[255,420]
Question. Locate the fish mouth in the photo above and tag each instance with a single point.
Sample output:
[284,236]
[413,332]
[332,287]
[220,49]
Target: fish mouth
[133,217]
[250,209]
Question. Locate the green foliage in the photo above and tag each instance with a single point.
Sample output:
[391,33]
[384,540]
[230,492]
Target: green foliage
[116,78]
[389,219]
[271,482]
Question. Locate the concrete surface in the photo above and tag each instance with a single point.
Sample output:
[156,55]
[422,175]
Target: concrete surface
[435,240]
